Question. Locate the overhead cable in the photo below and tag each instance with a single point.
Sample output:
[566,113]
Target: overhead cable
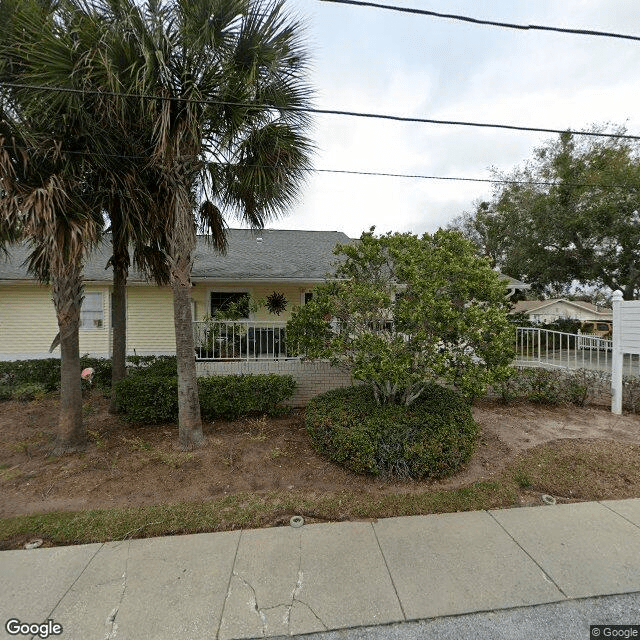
[336,112]
[492,23]
[383,174]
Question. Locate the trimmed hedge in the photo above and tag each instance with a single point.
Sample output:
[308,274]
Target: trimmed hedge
[153,399]
[431,438]
[19,372]
[555,386]
[230,397]
[46,372]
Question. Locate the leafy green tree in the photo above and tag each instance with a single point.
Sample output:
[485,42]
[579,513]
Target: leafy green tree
[569,214]
[404,311]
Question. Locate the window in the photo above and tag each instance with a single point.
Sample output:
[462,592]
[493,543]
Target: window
[220,300]
[308,296]
[92,311]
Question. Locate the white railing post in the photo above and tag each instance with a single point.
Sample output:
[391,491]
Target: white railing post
[616,356]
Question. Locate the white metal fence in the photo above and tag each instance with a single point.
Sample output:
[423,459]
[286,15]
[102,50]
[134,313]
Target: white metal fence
[558,349]
[239,340]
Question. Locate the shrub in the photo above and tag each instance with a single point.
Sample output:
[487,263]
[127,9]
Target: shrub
[431,438]
[6,392]
[44,372]
[29,391]
[154,365]
[229,397]
[150,399]
[555,386]
[102,370]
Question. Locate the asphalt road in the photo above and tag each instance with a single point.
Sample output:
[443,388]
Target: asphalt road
[570,620]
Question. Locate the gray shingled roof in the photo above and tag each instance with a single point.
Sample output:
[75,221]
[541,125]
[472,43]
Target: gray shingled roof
[288,255]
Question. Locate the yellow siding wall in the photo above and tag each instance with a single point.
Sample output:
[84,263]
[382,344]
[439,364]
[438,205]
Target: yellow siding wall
[150,326]
[28,323]
[28,320]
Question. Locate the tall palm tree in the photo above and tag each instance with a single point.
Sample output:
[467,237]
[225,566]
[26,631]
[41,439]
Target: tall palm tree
[227,132]
[49,196]
[45,200]
[58,48]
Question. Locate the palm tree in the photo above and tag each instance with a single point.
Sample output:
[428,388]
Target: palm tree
[45,200]
[49,195]
[58,48]
[227,131]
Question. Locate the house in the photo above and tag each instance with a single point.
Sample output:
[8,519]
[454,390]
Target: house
[546,311]
[286,263]
[289,263]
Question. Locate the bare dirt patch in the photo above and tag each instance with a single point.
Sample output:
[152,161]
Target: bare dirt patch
[126,465]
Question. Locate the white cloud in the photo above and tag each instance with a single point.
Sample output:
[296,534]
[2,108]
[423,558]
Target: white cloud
[377,61]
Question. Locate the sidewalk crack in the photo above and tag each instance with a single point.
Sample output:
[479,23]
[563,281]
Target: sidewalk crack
[254,604]
[544,573]
[318,618]
[226,598]
[386,564]
[298,587]
[111,618]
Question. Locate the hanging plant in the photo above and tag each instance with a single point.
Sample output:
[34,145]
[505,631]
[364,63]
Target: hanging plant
[276,303]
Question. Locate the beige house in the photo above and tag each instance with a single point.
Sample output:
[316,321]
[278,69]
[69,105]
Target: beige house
[546,311]
[289,263]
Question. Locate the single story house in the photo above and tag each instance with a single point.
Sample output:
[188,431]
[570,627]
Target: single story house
[546,311]
[261,263]
[287,263]
[290,263]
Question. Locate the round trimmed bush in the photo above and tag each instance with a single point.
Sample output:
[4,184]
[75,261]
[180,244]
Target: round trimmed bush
[431,438]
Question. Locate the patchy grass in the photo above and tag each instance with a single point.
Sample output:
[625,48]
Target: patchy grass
[581,470]
[241,511]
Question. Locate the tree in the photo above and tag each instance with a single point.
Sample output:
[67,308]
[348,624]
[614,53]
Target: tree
[55,45]
[570,214]
[227,131]
[404,311]
[46,201]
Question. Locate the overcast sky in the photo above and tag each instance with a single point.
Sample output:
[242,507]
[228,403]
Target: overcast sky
[375,60]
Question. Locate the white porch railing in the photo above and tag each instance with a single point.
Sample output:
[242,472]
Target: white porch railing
[239,340]
[546,348]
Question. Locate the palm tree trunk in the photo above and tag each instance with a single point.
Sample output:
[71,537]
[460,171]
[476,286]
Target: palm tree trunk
[189,420]
[67,299]
[119,328]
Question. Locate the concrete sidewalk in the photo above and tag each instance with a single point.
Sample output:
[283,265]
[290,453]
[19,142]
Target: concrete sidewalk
[269,582]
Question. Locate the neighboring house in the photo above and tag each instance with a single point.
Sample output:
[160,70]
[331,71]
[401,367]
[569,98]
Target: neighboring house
[514,285]
[290,263]
[546,311]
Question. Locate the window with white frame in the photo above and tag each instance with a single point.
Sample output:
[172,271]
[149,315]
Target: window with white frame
[92,311]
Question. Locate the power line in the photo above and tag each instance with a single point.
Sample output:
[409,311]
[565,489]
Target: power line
[382,174]
[336,112]
[493,23]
